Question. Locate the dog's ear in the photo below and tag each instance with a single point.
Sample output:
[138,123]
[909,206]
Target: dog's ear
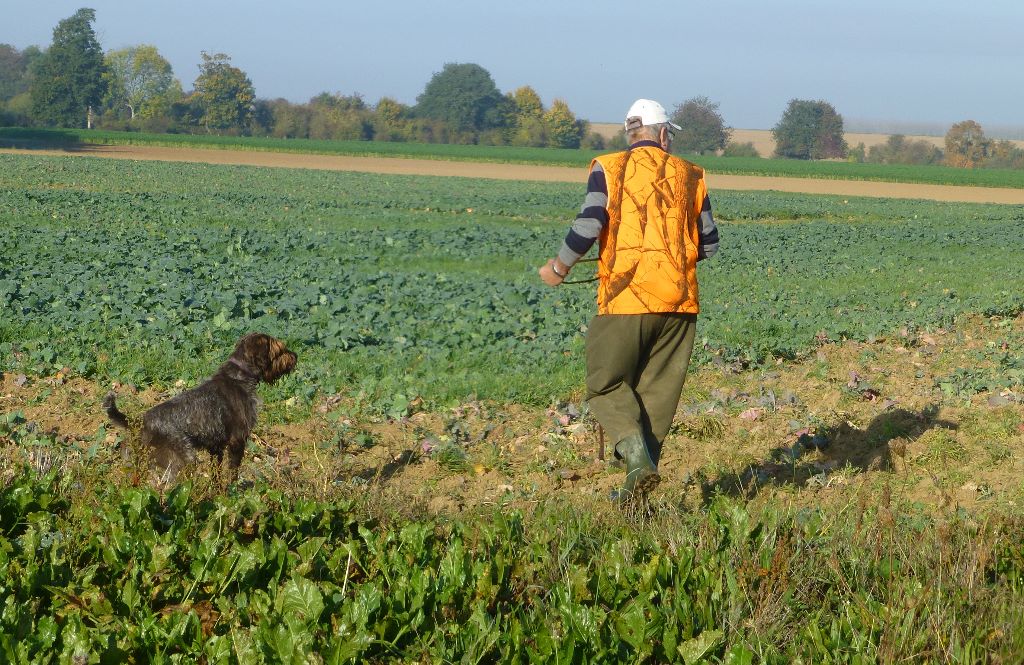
[268,356]
[254,350]
[282,361]
[249,346]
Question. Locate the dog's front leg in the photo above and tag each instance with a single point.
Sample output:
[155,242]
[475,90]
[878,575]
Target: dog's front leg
[235,450]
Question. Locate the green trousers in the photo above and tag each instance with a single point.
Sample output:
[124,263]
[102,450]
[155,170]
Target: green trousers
[636,366]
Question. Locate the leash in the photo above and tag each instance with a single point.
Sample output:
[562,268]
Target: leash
[583,281]
[600,430]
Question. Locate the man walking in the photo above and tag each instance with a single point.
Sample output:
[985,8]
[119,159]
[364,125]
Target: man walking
[651,213]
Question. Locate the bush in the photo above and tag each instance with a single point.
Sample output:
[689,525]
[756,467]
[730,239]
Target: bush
[340,125]
[898,150]
[492,137]
[385,130]
[617,142]
[1005,155]
[112,121]
[733,149]
[530,132]
[159,124]
[11,116]
[593,141]
[16,111]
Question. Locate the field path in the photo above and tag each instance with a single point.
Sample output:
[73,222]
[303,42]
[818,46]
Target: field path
[394,165]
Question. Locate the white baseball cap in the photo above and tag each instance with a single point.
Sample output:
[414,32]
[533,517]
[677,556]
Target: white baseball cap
[650,112]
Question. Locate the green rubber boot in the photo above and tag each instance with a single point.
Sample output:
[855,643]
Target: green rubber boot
[641,472]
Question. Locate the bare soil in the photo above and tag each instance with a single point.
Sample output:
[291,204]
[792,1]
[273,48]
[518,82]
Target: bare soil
[390,165]
[852,420]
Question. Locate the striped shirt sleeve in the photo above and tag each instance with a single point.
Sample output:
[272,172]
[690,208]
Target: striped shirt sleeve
[708,231]
[592,219]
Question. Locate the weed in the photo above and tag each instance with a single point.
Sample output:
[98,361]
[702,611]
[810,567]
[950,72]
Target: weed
[452,457]
[941,446]
[997,452]
[704,427]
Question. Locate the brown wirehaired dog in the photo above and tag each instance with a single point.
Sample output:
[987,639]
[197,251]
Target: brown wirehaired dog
[216,416]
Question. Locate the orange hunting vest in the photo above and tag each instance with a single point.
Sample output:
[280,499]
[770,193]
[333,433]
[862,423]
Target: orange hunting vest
[648,261]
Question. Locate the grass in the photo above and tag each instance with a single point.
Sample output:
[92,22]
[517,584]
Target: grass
[790,168]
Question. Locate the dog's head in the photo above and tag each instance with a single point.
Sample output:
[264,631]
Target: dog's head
[268,356]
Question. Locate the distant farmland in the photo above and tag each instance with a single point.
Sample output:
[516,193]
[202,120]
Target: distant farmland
[765,144]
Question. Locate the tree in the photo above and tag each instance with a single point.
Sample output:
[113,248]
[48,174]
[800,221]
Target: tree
[703,129]
[390,120]
[809,130]
[465,98]
[15,70]
[339,102]
[225,93]
[966,145]
[527,103]
[563,129]
[141,80]
[12,71]
[68,82]
[527,126]
[187,112]
[391,110]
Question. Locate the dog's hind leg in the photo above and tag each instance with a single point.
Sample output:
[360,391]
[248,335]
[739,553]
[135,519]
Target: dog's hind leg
[170,457]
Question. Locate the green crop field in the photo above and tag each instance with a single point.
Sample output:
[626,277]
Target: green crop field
[391,283]
[402,290]
[793,168]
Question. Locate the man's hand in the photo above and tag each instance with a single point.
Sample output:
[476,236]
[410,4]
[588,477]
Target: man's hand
[553,272]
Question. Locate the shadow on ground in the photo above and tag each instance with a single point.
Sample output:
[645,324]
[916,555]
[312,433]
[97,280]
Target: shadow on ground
[843,447]
[388,471]
[42,139]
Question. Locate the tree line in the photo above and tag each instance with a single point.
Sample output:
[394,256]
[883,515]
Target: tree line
[73,83]
[810,129]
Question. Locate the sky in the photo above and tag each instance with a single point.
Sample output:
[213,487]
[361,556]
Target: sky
[890,65]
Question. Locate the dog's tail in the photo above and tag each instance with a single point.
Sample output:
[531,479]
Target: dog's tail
[115,415]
